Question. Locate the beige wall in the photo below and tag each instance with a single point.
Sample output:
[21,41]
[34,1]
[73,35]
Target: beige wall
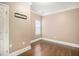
[63,26]
[20,29]
[35,17]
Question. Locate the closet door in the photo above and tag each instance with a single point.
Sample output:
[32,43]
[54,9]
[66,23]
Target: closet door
[4,29]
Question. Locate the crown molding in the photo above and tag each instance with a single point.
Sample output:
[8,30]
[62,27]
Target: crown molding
[30,3]
[38,13]
[66,9]
[49,13]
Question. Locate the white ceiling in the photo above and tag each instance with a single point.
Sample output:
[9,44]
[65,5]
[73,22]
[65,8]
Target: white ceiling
[45,8]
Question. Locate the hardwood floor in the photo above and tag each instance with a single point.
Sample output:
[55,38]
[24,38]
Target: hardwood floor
[44,48]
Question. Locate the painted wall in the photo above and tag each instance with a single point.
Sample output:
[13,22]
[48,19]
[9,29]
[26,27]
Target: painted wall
[35,17]
[20,29]
[63,26]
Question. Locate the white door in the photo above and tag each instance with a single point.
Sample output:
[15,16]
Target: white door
[4,29]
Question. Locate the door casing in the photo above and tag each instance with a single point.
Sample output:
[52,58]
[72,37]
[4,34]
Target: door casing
[4,30]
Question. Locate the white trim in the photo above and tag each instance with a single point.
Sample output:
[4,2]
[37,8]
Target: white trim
[35,40]
[57,41]
[38,13]
[30,3]
[62,42]
[62,10]
[5,32]
[20,51]
[3,4]
[54,12]
[51,40]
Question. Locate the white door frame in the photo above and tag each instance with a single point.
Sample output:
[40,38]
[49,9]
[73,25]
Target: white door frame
[5,27]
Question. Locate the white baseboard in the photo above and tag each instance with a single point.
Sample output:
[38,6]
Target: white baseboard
[56,41]
[62,42]
[20,51]
[50,40]
[35,40]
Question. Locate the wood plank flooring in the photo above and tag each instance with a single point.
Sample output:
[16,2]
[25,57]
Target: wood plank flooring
[45,48]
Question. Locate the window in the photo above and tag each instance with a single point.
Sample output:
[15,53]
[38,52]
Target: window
[37,27]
